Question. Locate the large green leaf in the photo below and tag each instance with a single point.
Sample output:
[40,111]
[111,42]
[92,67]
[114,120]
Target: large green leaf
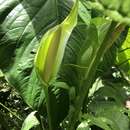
[109,116]
[108,103]
[78,43]
[101,122]
[20,32]
[5,7]
[105,94]
[68,72]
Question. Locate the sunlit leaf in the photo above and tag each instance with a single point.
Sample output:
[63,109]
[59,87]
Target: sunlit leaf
[123,58]
[30,121]
[83,126]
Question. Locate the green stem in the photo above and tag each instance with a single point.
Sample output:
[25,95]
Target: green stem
[48,108]
[42,125]
[110,38]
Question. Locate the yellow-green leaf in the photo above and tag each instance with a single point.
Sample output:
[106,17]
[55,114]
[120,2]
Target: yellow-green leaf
[123,58]
[51,50]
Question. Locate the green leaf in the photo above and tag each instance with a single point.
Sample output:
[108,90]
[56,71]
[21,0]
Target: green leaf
[95,35]
[84,13]
[22,25]
[101,122]
[5,7]
[119,5]
[58,103]
[102,26]
[30,122]
[116,10]
[68,72]
[108,118]
[113,4]
[123,57]
[125,7]
[83,126]
[109,112]
[109,92]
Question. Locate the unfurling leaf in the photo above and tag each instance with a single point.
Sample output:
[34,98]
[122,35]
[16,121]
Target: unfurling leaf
[51,50]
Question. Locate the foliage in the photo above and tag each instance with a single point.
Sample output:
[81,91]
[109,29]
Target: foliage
[80,78]
[30,121]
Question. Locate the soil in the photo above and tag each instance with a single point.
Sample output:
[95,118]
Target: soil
[13,110]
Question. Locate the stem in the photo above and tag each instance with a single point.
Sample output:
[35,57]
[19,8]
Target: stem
[48,108]
[42,125]
[110,38]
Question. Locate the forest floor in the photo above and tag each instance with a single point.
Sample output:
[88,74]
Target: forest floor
[13,110]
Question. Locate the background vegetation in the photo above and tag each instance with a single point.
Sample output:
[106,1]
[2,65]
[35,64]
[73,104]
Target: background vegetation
[83,83]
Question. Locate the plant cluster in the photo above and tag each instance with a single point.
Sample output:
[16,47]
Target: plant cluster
[69,60]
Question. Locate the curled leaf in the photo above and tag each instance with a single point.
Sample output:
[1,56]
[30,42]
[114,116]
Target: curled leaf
[51,50]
